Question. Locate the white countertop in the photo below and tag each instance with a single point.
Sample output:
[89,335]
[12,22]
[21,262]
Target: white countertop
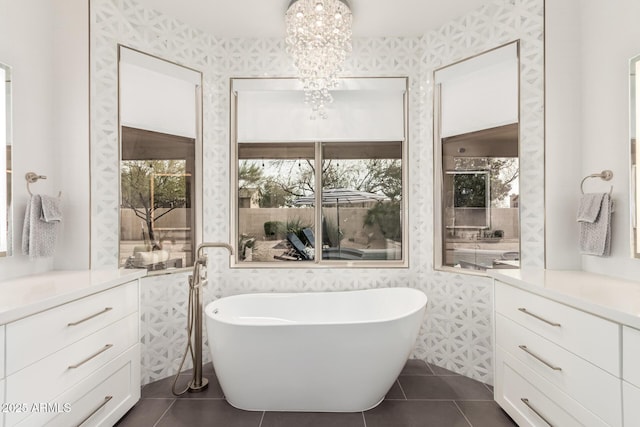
[613,299]
[31,294]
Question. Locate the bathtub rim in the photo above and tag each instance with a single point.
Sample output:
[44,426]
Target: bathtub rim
[291,323]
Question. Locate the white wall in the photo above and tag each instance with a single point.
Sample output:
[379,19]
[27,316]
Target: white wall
[563,149]
[589,45]
[71,131]
[611,36]
[50,105]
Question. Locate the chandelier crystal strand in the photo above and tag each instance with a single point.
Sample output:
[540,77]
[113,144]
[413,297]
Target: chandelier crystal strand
[319,39]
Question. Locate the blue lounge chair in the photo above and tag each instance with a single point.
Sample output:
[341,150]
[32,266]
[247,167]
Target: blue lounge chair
[308,234]
[297,252]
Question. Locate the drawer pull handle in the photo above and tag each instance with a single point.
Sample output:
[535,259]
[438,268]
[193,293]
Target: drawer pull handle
[106,400]
[99,352]
[107,309]
[532,354]
[548,322]
[535,411]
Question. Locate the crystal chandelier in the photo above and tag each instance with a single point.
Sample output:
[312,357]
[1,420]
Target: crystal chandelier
[319,39]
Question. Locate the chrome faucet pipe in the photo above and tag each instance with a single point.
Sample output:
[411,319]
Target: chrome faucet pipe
[205,245]
[196,282]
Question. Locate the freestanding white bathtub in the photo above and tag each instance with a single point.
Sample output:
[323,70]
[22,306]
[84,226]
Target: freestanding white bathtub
[316,352]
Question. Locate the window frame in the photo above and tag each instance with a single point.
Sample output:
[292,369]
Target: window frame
[317,262]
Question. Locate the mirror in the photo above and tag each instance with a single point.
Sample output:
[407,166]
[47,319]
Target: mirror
[5,162]
[634,67]
[477,162]
[160,106]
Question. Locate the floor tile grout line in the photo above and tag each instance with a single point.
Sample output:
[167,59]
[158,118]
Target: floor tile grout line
[158,398]
[165,412]
[417,375]
[402,390]
[364,419]
[426,399]
[487,386]
[429,368]
[262,418]
[462,412]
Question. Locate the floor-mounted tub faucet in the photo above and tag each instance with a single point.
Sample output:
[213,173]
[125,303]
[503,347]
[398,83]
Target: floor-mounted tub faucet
[194,319]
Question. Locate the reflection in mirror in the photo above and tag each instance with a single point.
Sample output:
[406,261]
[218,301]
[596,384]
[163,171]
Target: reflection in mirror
[634,119]
[477,162]
[5,162]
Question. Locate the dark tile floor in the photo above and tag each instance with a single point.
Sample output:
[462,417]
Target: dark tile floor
[423,396]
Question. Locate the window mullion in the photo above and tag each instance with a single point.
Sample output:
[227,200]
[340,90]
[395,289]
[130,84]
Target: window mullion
[318,159]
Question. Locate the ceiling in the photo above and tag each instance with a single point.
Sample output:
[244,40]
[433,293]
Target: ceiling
[265,18]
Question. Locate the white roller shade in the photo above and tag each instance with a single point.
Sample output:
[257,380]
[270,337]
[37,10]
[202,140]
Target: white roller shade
[273,110]
[157,95]
[479,93]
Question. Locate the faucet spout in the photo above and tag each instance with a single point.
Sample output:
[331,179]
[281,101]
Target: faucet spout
[206,245]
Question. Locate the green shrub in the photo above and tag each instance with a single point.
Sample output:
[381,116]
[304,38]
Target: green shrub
[387,217]
[274,229]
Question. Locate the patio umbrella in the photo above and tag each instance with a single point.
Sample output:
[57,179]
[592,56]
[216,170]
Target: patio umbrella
[340,196]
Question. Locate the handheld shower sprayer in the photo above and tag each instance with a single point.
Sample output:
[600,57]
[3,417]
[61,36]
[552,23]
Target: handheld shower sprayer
[197,279]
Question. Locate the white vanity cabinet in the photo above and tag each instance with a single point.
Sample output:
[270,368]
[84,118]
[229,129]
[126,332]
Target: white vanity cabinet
[568,354]
[75,362]
[631,375]
[567,348]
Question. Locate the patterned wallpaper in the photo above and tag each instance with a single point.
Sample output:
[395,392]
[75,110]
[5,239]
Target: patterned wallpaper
[457,332]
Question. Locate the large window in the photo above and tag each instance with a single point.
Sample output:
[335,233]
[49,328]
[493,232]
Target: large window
[361,214]
[477,163]
[319,191]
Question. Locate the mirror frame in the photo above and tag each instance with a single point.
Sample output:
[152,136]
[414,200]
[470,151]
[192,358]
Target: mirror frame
[7,207]
[634,184]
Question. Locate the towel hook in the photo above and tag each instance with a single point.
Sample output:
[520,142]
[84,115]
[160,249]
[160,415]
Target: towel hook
[32,177]
[605,175]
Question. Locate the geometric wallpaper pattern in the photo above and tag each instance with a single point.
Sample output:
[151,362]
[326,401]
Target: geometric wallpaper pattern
[457,331]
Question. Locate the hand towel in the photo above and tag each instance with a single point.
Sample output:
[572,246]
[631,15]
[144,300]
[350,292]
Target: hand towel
[51,209]
[595,231]
[38,236]
[589,208]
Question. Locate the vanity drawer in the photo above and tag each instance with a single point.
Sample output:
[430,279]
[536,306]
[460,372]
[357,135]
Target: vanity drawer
[90,401]
[631,355]
[518,392]
[48,377]
[58,327]
[631,404]
[563,369]
[592,338]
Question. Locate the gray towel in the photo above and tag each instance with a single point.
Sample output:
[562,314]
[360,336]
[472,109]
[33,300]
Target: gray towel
[595,230]
[38,236]
[590,206]
[51,209]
